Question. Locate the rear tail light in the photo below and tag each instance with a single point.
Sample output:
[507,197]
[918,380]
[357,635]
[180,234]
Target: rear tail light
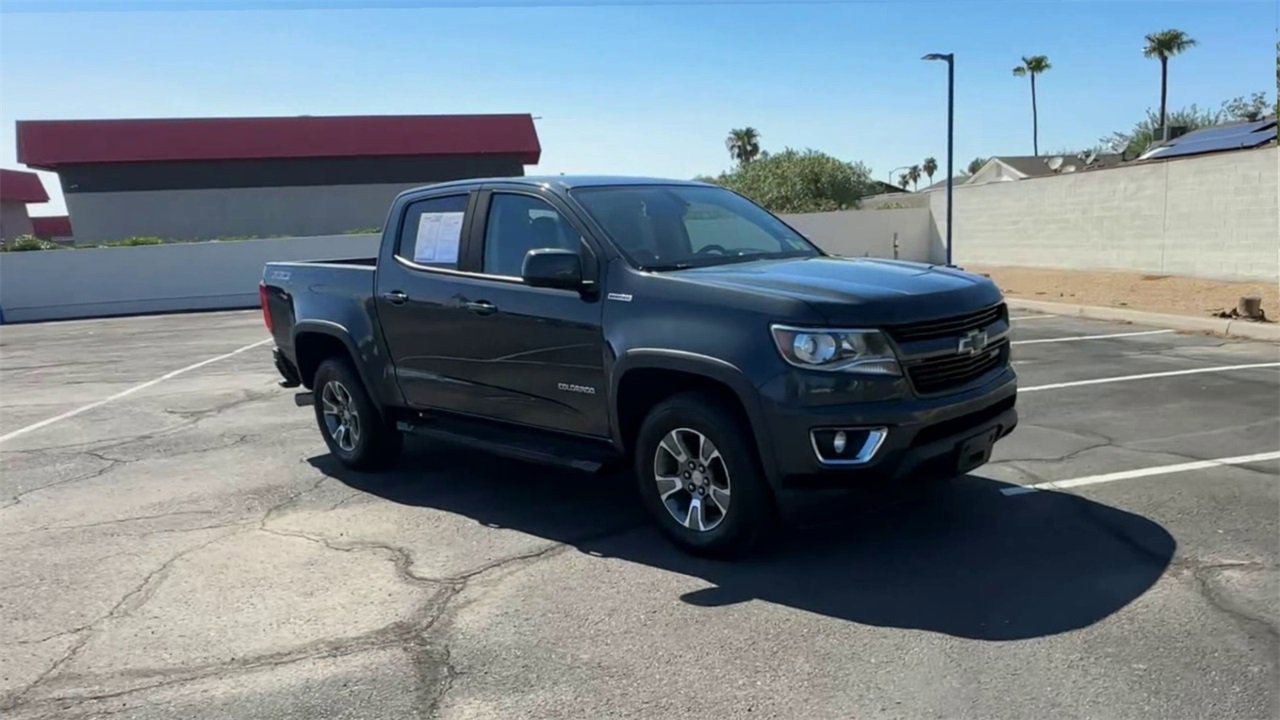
[266,311]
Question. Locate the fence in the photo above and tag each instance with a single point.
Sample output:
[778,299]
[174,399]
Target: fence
[94,282]
[1213,217]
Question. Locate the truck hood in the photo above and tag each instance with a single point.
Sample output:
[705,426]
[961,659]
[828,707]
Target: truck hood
[858,290]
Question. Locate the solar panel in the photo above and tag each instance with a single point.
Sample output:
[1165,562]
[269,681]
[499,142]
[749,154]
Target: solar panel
[1215,139]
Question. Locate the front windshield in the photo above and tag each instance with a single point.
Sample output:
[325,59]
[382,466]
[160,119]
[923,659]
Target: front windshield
[669,227]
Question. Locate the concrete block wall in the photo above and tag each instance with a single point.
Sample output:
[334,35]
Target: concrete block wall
[1214,217]
[870,233]
[98,282]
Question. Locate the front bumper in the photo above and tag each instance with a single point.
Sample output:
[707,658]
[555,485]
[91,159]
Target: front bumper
[923,434]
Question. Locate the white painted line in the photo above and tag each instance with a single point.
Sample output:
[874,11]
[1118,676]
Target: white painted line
[1142,472]
[1144,376]
[1033,317]
[1091,337]
[123,393]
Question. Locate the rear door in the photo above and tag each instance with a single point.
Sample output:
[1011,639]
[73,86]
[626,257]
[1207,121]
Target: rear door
[418,297]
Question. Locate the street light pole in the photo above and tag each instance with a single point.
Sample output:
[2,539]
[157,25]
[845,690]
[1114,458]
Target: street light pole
[891,172]
[950,59]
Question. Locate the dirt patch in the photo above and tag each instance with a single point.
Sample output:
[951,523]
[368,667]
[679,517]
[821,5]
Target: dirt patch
[1153,293]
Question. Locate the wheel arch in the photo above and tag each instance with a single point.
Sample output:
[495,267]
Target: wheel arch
[643,378]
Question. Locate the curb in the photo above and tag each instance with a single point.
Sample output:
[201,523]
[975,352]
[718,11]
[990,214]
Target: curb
[1218,326]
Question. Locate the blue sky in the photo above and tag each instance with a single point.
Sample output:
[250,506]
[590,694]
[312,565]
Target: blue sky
[630,87]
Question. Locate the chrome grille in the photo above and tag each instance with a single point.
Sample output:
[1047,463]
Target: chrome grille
[937,375]
[946,327]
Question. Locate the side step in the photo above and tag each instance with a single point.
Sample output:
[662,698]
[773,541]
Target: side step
[515,443]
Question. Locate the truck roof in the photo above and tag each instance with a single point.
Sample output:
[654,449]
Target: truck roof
[568,182]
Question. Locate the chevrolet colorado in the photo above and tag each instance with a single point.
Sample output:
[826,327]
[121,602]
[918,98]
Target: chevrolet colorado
[673,325]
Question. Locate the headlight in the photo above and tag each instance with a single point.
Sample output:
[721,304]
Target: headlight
[859,351]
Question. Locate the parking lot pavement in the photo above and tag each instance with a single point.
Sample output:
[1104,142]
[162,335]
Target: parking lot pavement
[185,548]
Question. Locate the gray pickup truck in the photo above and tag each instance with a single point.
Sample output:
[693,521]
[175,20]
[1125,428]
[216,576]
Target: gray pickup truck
[673,326]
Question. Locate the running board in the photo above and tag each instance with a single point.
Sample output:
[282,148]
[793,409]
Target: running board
[516,444]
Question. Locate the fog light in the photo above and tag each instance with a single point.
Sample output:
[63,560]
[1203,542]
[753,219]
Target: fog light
[847,446]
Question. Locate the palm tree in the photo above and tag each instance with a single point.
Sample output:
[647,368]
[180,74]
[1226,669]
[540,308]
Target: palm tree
[1164,45]
[1033,66]
[913,174]
[930,167]
[904,180]
[743,144]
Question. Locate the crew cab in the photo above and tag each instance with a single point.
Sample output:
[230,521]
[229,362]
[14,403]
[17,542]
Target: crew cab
[675,327]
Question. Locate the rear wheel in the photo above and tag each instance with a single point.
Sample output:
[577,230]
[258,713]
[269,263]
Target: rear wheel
[700,478]
[352,427]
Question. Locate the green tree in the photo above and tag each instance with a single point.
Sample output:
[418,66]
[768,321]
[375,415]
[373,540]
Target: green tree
[975,165]
[903,181]
[1033,66]
[1164,45]
[1255,107]
[1147,130]
[930,167]
[795,181]
[913,174]
[743,145]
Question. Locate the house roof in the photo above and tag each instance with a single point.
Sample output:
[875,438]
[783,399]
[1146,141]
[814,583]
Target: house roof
[23,187]
[51,227]
[1038,165]
[48,144]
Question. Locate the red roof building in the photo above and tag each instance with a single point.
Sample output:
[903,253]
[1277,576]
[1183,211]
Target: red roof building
[204,178]
[18,188]
[57,227]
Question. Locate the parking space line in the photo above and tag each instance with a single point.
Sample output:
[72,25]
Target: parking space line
[1090,337]
[1142,472]
[1033,317]
[1145,376]
[130,391]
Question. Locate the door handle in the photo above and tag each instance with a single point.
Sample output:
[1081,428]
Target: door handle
[396,297]
[481,307]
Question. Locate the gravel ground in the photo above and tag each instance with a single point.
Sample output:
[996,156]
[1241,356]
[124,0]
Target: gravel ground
[1153,293]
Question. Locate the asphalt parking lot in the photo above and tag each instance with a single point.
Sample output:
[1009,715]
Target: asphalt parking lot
[175,543]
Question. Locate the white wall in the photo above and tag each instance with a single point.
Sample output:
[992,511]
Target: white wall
[60,284]
[14,220]
[1214,217]
[858,233]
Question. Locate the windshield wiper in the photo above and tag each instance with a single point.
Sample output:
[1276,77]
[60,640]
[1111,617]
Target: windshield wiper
[672,266]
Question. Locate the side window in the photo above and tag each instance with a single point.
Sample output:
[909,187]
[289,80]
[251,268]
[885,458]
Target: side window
[713,225]
[518,224]
[432,231]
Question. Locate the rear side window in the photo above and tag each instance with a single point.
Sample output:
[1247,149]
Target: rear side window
[432,231]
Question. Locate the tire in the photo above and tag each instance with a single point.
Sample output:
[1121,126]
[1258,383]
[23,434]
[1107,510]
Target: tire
[369,443]
[734,521]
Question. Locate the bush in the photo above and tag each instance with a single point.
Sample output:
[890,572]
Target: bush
[135,241]
[29,242]
[800,182]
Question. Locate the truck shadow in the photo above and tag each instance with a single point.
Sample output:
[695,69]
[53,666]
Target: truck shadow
[960,559]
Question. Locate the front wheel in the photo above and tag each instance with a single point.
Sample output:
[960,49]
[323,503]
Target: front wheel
[352,427]
[700,478]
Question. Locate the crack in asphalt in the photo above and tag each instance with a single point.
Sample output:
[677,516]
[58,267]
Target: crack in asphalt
[112,463]
[1202,577]
[422,637]
[131,601]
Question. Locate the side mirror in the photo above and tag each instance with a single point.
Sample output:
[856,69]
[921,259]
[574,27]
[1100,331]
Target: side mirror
[553,268]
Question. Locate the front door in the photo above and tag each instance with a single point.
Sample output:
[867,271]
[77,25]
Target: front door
[529,355]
